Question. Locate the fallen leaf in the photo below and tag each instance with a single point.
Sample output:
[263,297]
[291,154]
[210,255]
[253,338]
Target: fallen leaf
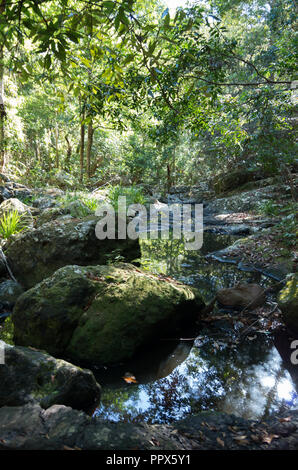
[129,378]
[220,441]
[285,420]
[268,439]
[154,442]
[240,438]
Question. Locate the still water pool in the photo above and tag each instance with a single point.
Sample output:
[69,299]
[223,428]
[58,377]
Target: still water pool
[177,377]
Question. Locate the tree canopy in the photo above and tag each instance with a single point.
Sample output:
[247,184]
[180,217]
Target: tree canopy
[115,87]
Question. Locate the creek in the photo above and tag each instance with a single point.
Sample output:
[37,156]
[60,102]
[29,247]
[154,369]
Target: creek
[177,377]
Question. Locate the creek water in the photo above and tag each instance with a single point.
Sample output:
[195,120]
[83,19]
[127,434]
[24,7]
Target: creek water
[178,376]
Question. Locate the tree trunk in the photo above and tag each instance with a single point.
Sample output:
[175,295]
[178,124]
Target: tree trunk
[57,145]
[82,146]
[2,105]
[68,153]
[2,112]
[89,148]
[169,178]
[37,149]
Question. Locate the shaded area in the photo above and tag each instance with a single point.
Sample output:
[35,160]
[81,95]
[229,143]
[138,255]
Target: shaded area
[179,378]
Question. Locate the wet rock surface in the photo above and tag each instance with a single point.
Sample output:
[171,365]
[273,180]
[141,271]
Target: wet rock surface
[242,295]
[32,376]
[59,428]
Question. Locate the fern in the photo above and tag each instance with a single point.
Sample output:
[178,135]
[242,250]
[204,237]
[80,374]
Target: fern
[10,223]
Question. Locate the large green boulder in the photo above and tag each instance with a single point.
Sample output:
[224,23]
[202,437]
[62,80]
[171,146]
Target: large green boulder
[37,254]
[31,376]
[288,302]
[102,314]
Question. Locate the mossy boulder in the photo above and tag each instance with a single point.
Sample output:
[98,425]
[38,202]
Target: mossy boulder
[288,302]
[234,179]
[37,254]
[102,314]
[31,376]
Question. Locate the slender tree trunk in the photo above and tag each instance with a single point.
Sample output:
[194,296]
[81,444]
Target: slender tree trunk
[37,146]
[174,167]
[2,112]
[89,148]
[2,105]
[169,177]
[82,144]
[57,145]
[68,153]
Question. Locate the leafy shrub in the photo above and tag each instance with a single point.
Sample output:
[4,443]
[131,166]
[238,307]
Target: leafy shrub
[88,203]
[91,203]
[10,224]
[269,208]
[6,331]
[134,195]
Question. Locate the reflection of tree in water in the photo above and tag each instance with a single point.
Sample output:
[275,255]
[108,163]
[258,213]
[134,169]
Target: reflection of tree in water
[191,267]
[244,381]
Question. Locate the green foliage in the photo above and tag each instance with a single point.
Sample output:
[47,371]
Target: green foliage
[133,194]
[6,331]
[81,210]
[91,203]
[269,208]
[287,231]
[68,198]
[10,224]
[170,97]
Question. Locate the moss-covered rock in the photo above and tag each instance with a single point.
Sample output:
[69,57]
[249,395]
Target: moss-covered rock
[31,376]
[234,179]
[288,302]
[37,254]
[101,314]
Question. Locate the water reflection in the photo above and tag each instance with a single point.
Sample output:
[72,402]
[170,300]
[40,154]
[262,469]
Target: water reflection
[249,379]
[191,267]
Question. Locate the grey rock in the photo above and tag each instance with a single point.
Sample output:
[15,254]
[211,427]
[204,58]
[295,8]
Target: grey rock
[10,291]
[32,376]
[37,254]
[59,428]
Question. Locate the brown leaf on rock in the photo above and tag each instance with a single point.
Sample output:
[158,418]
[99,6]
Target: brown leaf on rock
[267,439]
[285,420]
[129,378]
[154,442]
[220,441]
